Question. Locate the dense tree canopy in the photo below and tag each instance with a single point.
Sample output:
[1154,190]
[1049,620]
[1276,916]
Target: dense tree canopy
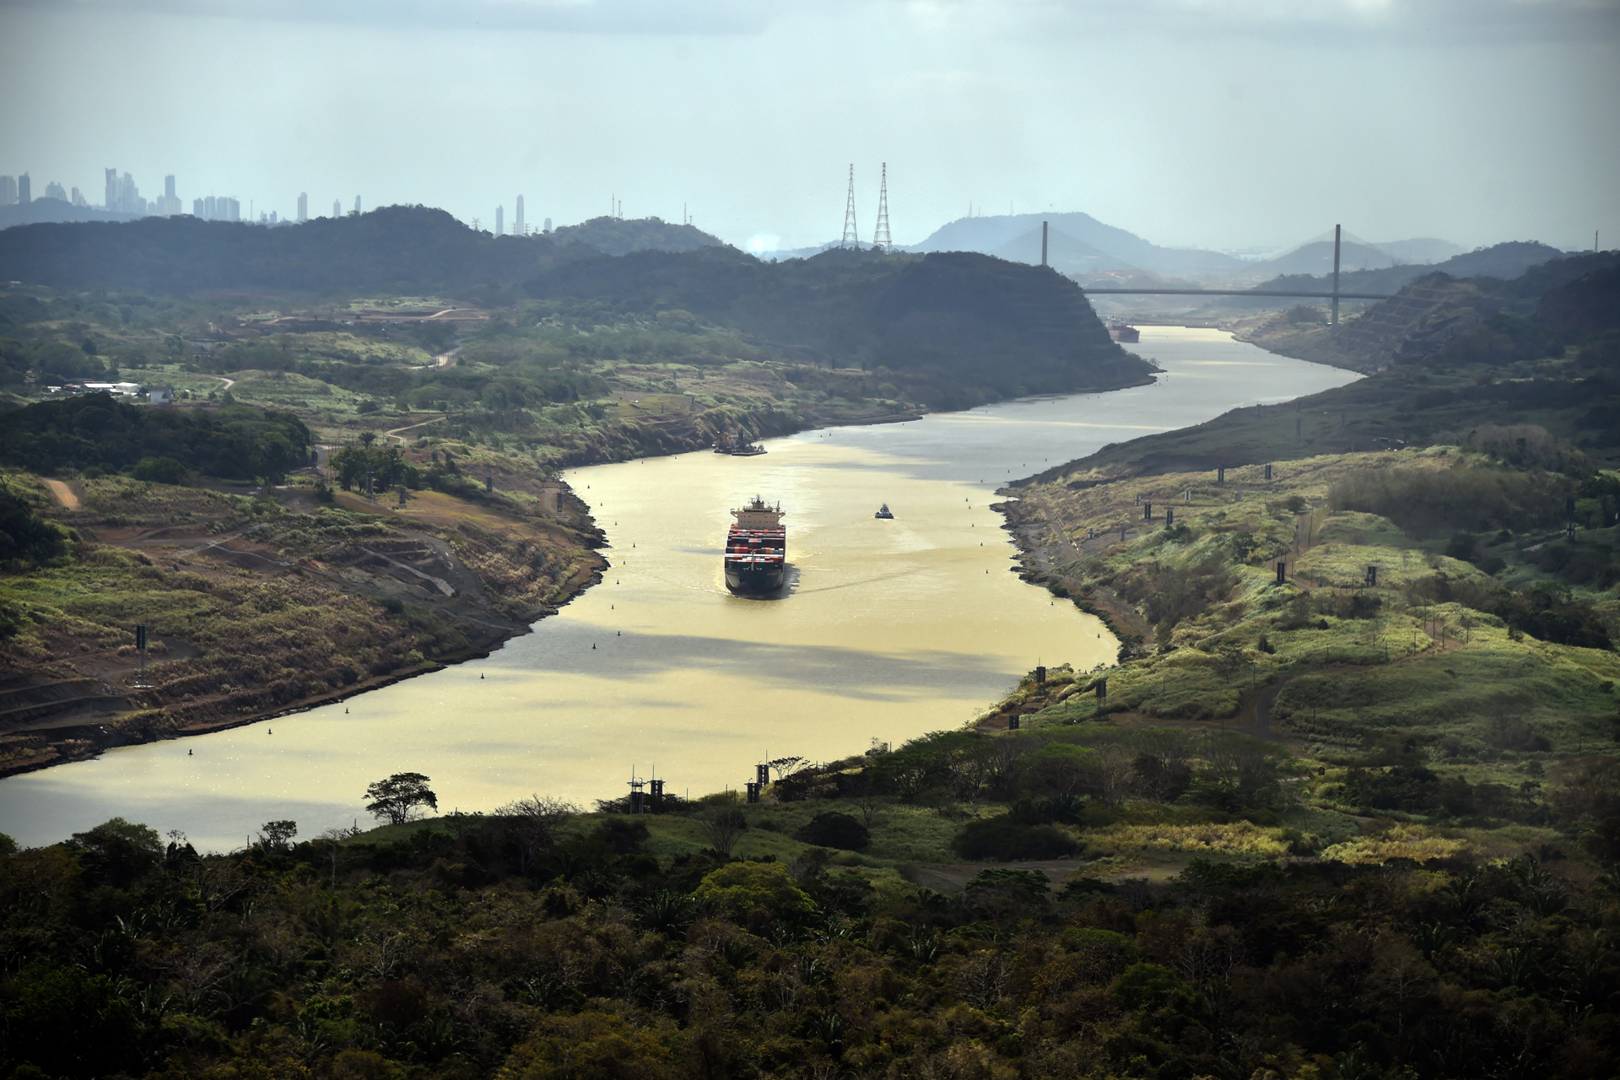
[98,431]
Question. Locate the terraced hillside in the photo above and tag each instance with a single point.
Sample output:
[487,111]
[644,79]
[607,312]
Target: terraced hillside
[259,603]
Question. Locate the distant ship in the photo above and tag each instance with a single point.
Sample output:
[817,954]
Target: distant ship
[726,444]
[756,549]
[1119,331]
[884,512]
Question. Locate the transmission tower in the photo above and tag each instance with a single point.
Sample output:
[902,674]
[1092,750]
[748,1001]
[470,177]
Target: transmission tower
[852,238]
[880,238]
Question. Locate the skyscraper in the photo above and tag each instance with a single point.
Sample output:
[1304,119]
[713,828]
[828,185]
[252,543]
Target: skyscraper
[199,209]
[8,190]
[111,199]
[337,207]
[303,207]
[24,194]
[545,227]
[170,203]
[500,221]
[127,198]
[76,197]
[517,223]
[357,204]
[54,190]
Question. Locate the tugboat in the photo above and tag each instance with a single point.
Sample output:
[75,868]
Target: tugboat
[756,549]
[728,444]
[1124,332]
[884,513]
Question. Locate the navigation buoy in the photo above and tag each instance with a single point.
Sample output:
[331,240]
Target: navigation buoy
[188,753]
[270,731]
[480,674]
[593,645]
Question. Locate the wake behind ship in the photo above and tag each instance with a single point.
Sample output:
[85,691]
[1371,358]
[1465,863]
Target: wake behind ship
[756,549]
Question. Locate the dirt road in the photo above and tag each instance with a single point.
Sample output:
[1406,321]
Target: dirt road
[397,437]
[64,494]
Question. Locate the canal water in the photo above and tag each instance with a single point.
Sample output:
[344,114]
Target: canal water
[889,629]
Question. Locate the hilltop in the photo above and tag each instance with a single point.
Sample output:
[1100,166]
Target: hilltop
[1080,245]
[1107,247]
[935,319]
[1439,317]
[965,327]
[1506,260]
[42,210]
[398,248]
[621,236]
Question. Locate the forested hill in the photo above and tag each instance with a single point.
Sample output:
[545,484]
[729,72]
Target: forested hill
[1505,261]
[979,324]
[396,248]
[968,327]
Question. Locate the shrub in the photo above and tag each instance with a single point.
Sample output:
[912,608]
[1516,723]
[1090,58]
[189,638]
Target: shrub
[1005,839]
[835,830]
[755,895]
[1461,500]
[25,537]
[159,470]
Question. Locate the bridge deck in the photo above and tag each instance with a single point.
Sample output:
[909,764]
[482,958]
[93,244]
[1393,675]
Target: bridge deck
[1236,292]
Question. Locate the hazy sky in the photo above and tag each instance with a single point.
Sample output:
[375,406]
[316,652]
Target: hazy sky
[1220,124]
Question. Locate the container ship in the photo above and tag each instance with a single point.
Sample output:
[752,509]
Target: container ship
[756,549]
[1124,332]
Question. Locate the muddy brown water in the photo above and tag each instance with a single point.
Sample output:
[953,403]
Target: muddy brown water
[889,629]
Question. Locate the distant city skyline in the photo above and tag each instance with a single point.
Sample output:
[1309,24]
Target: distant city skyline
[121,195]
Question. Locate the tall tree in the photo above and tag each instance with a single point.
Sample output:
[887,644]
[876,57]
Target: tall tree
[400,797]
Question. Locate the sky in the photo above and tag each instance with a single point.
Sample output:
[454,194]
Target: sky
[1243,124]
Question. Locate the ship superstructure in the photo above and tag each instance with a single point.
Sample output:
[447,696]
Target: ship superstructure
[756,549]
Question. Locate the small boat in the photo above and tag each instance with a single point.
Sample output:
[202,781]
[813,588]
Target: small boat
[884,513]
[726,444]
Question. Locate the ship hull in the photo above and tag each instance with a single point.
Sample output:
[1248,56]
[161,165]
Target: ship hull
[754,581]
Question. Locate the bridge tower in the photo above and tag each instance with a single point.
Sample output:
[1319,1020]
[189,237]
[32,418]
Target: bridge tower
[851,238]
[880,237]
[1338,231]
